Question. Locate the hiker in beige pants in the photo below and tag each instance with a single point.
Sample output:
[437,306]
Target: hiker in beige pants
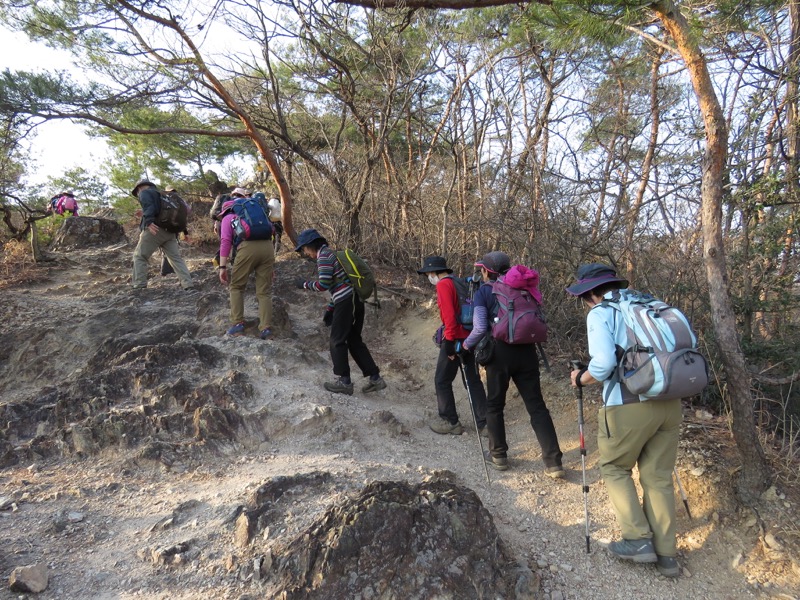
[643,433]
[152,237]
[149,242]
[631,431]
[258,256]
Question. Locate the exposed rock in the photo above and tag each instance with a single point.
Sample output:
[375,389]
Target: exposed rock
[386,419]
[32,578]
[212,423]
[169,554]
[394,539]
[245,525]
[83,232]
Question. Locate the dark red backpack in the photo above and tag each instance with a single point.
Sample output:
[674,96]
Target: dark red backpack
[519,318]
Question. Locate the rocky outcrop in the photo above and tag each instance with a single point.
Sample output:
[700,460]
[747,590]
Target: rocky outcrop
[85,232]
[394,540]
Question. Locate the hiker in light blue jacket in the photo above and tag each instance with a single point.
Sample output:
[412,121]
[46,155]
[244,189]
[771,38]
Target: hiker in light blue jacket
[630,433]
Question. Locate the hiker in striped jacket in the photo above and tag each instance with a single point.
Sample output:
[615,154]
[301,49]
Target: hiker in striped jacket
[344,315]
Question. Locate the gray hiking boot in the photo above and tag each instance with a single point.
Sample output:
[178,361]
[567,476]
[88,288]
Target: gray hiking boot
[444,426]
[373,385]
[639,551]
[668,566]
[555,472]
[499,463]
[339,387]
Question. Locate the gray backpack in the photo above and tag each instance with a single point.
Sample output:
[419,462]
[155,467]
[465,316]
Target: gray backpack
[661,361]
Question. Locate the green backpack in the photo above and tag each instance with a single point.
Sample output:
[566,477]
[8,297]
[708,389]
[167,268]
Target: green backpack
[360,275]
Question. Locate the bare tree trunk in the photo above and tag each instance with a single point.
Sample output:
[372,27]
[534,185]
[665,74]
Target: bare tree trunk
[35,248]
[629,256]
[754,477]
[792,117]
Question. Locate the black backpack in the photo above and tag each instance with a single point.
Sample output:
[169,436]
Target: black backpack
[173,213]
[465,289]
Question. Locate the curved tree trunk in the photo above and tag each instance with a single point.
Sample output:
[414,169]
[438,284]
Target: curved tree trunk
[755,472]
[222,92]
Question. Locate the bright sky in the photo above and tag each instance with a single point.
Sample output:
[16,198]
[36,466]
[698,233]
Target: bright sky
[59,145]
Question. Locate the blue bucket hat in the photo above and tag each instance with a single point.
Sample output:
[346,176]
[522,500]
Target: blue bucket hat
[592,275]
[306,237]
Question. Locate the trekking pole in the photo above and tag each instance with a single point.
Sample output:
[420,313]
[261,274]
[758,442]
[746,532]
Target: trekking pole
[577,365]
[683,492]
[544,357]
[474,417]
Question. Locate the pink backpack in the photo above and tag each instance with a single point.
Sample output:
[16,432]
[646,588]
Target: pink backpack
[519,318]
[66,203]
[69,203]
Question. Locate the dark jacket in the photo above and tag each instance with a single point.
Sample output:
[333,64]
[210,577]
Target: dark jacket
[216,208]
[150,200]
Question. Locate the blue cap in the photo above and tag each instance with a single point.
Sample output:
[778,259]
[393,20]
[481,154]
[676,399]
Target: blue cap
[306,237]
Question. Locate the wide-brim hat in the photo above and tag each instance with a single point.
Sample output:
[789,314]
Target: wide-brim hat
[306,237]
[495,262]
[170,188]
[139,184]
[434,264]
[593,275]
[240,192]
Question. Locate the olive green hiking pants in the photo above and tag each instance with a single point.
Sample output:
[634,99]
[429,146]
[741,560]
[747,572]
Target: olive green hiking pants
[258,256]
[644,434]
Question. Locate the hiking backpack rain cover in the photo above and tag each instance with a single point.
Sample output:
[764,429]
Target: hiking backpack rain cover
[662,361]
[359,274]
[519,318]
[173,214]
[251,220]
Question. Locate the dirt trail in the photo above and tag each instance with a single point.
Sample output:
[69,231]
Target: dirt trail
[93,520]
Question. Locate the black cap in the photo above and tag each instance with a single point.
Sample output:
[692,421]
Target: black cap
[495,262]
[434,264]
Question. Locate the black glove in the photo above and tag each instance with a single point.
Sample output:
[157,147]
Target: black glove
[462,350]
[449,347]
[327,318]
[300,283]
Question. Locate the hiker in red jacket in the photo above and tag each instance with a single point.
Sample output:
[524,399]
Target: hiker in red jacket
[440,275]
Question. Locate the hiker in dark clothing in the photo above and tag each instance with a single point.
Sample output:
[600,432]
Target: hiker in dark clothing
[152,237]
[344,315]
[275,215]
[447,365]
[518,363]
[216,209]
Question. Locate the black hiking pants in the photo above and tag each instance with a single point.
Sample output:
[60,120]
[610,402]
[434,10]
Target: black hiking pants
[346,327]
[446,372]
[518,363]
